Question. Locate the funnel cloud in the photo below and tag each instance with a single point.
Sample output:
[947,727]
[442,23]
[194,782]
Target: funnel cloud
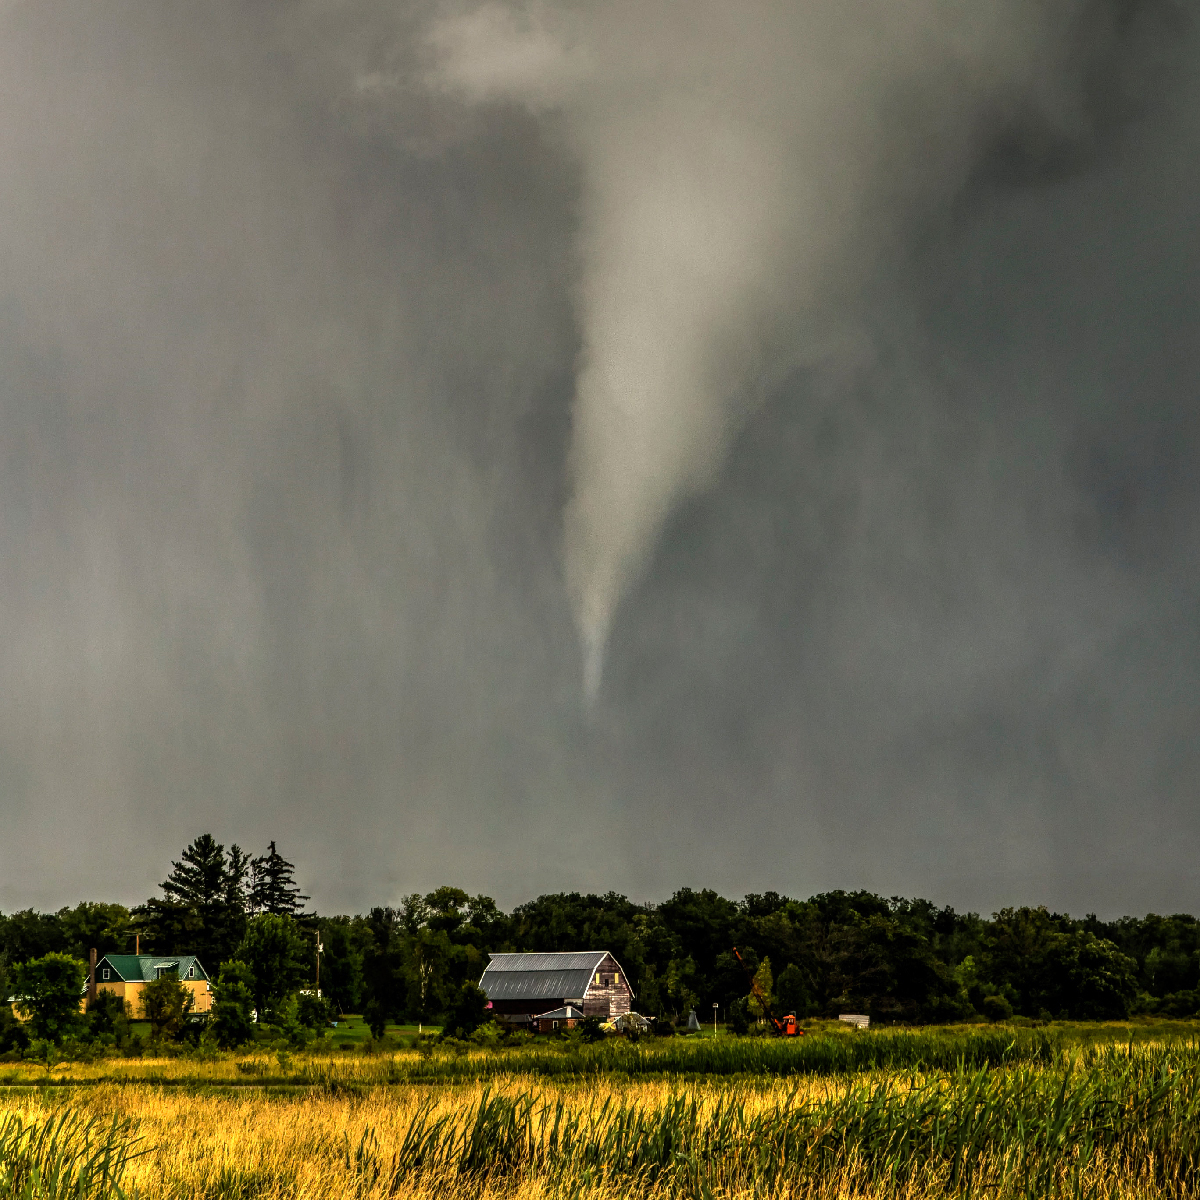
[742,168]
[541,446]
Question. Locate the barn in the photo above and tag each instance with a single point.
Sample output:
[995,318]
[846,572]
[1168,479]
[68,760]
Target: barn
[524,986]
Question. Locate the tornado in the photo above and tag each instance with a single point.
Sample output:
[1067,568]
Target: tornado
[744,168]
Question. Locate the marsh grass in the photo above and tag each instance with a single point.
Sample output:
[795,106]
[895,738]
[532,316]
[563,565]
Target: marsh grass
[673,1058]
[65,1155]
[1043,1121]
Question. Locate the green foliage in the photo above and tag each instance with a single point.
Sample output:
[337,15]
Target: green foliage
[280,958]
[764,984]
[342,963]
[165,1003]
[902,961]
[996,1008]
[286,1023]
[14,1036]
[231,1023]
[739,1016]
[469,1012]
[202,910]
[590,1029]
[1097,981]
[792,993]
[273,887]
[313,1011]
[48,992]
[108,1018]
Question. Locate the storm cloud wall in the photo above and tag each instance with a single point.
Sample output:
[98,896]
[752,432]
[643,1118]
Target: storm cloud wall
[290,344]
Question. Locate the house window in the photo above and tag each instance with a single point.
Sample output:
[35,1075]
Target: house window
[104,973]
[191,972]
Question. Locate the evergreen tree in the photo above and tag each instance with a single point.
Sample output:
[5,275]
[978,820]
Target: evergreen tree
[237,870]
[203,908]
[273,888]
[198,879]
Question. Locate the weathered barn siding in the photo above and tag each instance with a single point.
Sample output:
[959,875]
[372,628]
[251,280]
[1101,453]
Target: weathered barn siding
[608,994]
[527,985]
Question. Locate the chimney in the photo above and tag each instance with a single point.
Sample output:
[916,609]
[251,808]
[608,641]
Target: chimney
[137,943]
[92,976]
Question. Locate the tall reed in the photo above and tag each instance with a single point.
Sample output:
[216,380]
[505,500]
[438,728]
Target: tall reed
[56,1156]
[1083,1131]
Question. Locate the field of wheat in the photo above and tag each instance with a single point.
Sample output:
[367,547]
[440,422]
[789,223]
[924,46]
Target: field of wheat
[1042,1120]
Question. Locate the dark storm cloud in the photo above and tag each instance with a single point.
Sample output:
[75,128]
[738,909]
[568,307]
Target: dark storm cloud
[287,357]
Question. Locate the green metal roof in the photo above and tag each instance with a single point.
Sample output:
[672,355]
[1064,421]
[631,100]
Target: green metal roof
[142,968]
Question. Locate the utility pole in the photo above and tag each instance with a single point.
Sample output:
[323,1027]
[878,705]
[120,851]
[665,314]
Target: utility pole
[319,949]
[714,1018]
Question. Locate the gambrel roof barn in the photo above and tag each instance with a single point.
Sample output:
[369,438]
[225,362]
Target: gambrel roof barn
[521,986]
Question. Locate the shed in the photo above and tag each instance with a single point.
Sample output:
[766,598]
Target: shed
[568,1016]
[528,985]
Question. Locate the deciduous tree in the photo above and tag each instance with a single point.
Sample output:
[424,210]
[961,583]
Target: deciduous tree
[165,1003]
[280,958]
[49,990]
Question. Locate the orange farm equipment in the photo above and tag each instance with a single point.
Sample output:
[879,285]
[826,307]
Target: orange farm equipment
[783,1026]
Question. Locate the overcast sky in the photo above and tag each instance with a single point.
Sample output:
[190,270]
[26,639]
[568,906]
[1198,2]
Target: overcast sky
[321,476]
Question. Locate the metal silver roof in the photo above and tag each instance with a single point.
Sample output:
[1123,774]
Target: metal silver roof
[535,985]
[562,976]
[570,960]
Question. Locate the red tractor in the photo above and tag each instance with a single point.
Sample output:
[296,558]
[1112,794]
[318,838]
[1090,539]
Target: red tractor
[783,1026]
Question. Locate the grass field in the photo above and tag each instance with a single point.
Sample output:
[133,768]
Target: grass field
[1091,1111]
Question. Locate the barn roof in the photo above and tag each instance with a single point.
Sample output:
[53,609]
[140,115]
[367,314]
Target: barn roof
[560,976]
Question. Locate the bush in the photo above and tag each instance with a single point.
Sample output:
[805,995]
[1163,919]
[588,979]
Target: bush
[469,1012]
[590,1029]
[14,1037]
[739,1017]
[1179,1004]
[996,1008]
[376,1016]
[314,1012]
[286,1023]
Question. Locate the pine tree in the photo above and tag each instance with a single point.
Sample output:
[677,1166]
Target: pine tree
[272,886]
[237,870]
[199,878]
[203,908]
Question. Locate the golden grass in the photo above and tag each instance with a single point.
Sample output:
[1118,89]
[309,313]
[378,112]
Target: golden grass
[296,1147]
[219,1129]
[301,1147]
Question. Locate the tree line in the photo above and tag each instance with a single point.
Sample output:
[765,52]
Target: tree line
[897,960]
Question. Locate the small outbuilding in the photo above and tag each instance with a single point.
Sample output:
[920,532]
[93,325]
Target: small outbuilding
[566,1017]
[522,987]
